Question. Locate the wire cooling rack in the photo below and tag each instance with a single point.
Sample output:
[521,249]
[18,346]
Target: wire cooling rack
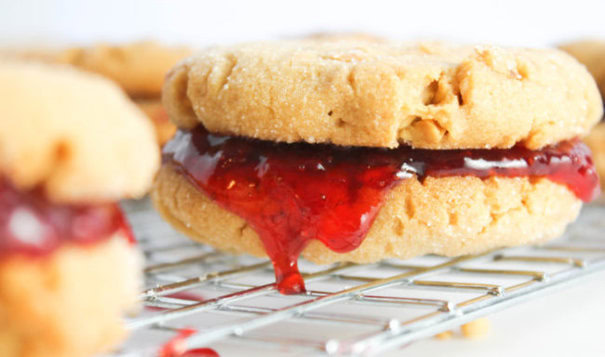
[230,303]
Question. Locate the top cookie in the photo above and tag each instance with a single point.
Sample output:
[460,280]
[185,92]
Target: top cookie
[380,93]
[139,68]
[74,134]
[592,54]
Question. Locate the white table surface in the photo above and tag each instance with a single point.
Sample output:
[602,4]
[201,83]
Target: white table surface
[562,323]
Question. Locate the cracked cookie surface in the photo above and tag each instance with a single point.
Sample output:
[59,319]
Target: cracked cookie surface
[379,93]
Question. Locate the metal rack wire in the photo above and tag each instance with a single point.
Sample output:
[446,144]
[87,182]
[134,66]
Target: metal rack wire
[231,302]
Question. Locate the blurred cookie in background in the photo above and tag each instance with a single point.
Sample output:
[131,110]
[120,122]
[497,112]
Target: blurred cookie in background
[591,53]
[139,68]
[154,110]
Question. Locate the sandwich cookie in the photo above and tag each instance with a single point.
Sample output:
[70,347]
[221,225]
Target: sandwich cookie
[71,145]
[357,150]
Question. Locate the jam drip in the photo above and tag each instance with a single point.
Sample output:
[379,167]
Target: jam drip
[292,193]
[33,226]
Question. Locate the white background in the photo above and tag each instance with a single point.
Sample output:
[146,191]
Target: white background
[531,329]
[511,22]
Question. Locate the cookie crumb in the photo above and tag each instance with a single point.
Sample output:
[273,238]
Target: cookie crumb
[445,335]
[476,329]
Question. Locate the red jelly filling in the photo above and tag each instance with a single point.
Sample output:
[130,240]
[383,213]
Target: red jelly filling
[31,225]
[292,193]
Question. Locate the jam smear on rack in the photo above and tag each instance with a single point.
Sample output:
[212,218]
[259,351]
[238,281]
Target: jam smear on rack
[293,193]
[184,295]
[33,226]
[177,347]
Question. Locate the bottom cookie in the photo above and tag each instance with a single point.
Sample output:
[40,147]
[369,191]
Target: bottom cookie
[69,303]
[446,216]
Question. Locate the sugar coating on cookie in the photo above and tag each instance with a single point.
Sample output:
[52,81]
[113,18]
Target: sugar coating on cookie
[378,93]
[69,303]
[74,134]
